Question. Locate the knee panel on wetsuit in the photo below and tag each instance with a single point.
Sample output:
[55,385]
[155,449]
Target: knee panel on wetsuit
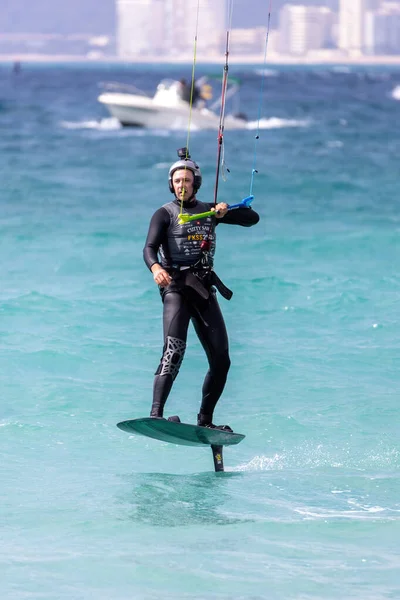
[174,351]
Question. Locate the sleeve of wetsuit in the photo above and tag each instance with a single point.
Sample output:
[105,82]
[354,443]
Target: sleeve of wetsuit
[246,217]
[157,229]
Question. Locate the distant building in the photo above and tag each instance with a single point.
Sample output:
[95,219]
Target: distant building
[304,28]
[382,30]
[351,30]
[151,27]
[248,41]
[273,42]
[182,19]
[80,44]
[140,27]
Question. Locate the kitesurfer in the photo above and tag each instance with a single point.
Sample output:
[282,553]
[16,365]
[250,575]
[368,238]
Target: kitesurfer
[181,258]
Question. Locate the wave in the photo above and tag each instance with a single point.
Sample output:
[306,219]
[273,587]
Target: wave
[266,72]
[340,69]
[102,125]
[361,514]
[112,124]
[396,92]
[315,456]
[277,123]
[334,144]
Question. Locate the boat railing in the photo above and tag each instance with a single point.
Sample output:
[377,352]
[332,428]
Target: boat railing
[123,88]
[230,92]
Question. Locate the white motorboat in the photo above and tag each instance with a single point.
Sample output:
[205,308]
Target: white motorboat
[166,109]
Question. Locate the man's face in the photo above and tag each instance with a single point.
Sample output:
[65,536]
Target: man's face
[182,181]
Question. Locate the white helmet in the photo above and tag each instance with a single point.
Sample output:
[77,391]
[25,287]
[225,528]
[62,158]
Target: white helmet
[185,162]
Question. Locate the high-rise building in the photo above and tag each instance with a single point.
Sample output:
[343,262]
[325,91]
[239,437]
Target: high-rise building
[148,27]
[304,28]
[185,18]
[382,34]
[139,27]
[248,41]
[351,31]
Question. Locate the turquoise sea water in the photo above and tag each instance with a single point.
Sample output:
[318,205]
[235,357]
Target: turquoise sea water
[308,507]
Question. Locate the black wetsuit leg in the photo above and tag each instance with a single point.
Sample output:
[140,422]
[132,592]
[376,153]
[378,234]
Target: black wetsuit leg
[207,319]
[210,328]
[176,318]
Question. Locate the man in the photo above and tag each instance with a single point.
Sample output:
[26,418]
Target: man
[181,258]
[185,92]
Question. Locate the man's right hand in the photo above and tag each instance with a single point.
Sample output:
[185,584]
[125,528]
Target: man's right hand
[161,277]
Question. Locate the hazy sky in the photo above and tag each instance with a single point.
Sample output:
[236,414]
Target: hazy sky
[57,16]
[98,16]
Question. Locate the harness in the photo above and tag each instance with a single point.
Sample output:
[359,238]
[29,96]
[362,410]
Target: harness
[199,275]
[200,280]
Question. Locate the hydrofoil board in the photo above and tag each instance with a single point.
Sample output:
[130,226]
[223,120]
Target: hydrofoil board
[184,434]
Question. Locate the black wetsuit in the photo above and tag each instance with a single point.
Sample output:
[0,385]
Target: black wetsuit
[191,296]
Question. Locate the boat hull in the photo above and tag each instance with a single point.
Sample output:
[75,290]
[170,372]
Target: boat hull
[139,111]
